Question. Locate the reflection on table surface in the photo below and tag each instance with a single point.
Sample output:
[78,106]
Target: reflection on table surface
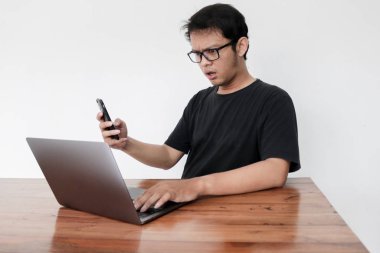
[296,218]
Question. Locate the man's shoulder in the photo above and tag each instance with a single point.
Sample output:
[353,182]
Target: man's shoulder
[202,94]
[272,96]
[270,90]
[205,92]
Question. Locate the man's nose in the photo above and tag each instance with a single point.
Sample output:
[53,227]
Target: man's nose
[204,62]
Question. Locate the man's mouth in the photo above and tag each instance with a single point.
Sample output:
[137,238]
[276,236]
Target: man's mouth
[210,75]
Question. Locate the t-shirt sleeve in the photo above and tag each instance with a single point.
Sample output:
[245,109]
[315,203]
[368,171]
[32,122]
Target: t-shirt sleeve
[180,137]
[279,134]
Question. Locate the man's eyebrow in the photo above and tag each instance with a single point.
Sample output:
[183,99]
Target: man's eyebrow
[207,48]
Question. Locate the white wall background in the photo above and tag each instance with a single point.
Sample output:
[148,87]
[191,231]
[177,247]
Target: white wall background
[57,57]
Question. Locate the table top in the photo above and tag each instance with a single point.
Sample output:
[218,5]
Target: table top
[295,218]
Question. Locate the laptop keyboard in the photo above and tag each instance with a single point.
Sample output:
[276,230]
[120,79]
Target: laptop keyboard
[153,210]
[149,212]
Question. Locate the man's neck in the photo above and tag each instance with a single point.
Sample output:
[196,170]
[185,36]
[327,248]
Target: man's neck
[237,84]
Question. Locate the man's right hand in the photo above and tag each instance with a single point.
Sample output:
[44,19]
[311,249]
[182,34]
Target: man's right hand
[121,130]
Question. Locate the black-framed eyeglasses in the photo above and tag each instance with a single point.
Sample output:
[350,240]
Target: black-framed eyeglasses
[211,54]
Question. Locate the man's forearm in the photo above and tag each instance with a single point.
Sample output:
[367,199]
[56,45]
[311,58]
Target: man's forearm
[258,176]
[254,177]
[150,154]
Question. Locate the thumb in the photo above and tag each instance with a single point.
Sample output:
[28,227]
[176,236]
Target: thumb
[119,123]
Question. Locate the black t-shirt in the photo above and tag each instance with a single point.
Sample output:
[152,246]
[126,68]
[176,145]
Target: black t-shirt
[225,132]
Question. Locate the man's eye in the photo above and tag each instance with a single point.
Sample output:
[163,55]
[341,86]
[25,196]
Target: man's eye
[211,51]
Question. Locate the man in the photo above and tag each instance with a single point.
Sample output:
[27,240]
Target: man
[240,134]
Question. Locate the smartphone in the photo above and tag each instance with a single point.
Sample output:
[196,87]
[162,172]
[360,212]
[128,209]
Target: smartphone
[106,117]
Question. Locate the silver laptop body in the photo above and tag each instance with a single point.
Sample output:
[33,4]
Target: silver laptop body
[84,176]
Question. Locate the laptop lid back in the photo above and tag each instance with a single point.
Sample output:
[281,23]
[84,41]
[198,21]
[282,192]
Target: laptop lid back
[84,176]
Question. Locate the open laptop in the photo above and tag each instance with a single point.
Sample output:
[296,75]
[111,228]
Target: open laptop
[84,176]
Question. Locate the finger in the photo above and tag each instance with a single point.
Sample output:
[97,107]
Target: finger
[121,140]
[140,200]
[137,204]
[105,124]
[165,198]
[153,199]
[99,116]
[118,144]
[110,133]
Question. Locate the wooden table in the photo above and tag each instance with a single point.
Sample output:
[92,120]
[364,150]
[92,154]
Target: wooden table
[296,218]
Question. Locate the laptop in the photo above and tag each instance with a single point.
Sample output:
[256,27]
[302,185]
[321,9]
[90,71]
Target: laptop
[84,176]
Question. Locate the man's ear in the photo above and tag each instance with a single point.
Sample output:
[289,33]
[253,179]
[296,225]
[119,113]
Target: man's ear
[242,46]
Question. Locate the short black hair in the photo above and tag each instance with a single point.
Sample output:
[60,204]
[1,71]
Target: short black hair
[223,17]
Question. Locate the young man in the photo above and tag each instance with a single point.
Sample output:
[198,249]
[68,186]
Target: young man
[240,134]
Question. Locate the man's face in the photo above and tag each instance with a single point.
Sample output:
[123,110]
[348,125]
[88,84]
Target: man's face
[222,71]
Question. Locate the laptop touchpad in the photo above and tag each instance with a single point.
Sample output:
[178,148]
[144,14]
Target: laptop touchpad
[135,192]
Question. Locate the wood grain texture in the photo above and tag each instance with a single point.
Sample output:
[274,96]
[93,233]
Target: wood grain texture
[296,218]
